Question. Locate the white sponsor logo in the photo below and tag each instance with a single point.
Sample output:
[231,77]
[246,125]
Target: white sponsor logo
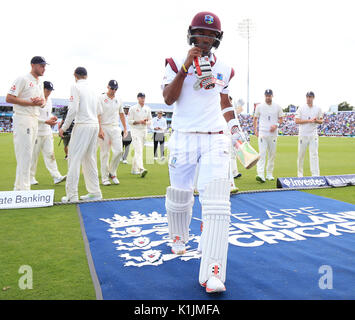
[143,240]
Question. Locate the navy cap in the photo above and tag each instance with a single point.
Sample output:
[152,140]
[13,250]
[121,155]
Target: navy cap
[310,94]
[113,84]
[38,60]
[48,85]
[140,95]
[81,71]
[268,92]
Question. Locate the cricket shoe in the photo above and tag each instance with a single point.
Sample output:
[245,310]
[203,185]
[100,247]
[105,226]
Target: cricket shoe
[178,246]
[91,197]
[124,161]
[143,173]
[33,181]
[260,179]
[114,179]
[234,190]
[214,283]
[238,176]
[270,178]
[60,179]
[69,200]
[106,183]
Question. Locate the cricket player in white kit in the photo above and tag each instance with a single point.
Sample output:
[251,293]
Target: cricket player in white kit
[139,118]
[269,115]
[44,141]
[27,96]
[308,117]
[159,128]
[84,108]
[198,85]
[110,133]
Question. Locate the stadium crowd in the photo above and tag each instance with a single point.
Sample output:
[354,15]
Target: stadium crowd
[340,124]
[5,124]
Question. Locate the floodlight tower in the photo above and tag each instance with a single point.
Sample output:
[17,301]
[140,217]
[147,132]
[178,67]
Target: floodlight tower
[246,29]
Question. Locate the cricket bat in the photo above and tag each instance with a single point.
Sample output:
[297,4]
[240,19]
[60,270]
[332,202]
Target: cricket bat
[246,154]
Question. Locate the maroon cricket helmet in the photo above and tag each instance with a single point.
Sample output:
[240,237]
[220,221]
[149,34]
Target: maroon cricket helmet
[205,20]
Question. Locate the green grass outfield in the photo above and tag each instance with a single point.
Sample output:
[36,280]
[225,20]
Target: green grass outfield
[50,240]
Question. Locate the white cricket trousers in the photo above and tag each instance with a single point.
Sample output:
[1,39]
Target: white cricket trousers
[112,141]
[312,143]
[267,146]
[233,168]
[210,151]
[138,140]
[233,161]
[25,130]
[45,144]
[82,152]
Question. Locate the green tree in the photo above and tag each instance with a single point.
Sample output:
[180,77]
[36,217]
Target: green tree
[344,106]
[288,108]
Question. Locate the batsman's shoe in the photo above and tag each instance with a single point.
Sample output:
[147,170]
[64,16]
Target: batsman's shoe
[178,247]
[214,283]
[270,178]
[68,200]
[60,179]
[91,197]
[106,183]
[33,181]
[238,176]
[260,179]
[143,173]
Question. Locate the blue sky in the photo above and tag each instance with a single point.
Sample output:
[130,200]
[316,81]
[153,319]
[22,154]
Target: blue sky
[297,46]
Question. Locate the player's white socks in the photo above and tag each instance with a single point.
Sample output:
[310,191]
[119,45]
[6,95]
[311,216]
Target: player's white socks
[178,205]
[216,218]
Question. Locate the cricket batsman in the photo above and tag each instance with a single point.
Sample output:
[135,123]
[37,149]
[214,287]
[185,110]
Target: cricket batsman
[197,84]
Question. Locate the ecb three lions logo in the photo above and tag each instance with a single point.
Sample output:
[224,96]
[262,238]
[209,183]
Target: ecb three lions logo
[143,240]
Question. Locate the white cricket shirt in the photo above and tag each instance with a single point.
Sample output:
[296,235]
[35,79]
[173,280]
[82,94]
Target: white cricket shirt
[83,105]
[110,109]
[268,116]
[27,87]
[307,113]
[199,110]
[138,113]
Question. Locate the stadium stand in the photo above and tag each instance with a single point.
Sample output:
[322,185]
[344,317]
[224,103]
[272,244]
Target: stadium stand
[335,124]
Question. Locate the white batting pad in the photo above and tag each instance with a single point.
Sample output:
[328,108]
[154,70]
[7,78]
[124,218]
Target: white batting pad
[178,204]
[216,218]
